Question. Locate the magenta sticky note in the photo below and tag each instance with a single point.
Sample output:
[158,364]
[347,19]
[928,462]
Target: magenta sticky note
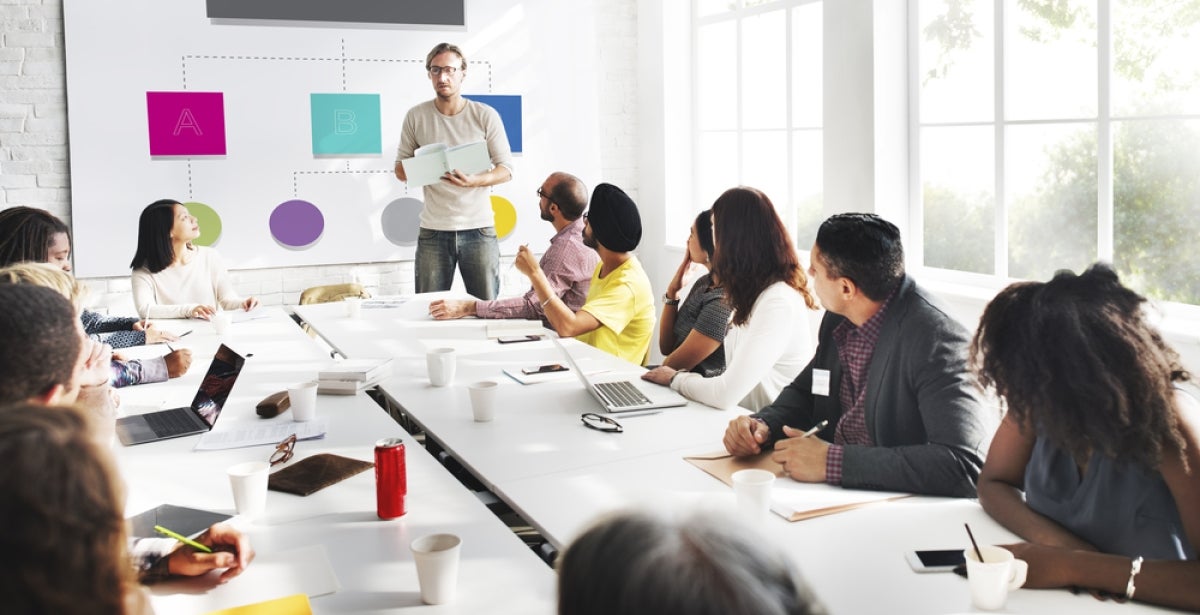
[186,123]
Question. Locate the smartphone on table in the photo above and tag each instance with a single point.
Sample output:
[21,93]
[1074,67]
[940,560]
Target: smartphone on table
[941,560]
[544,369]
[515,339]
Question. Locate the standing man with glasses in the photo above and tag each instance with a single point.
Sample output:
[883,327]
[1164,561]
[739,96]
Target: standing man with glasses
[457,224]
[568,263]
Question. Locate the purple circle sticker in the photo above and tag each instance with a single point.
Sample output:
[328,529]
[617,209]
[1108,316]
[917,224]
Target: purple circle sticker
[297,224]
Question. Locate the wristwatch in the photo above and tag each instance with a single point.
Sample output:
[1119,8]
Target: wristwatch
[669,301]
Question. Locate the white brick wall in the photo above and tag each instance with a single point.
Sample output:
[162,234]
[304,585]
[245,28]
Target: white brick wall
[33,145]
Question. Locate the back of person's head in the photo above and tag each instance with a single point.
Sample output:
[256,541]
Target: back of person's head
[154,248]
[26,234]
[704,233]
[46,276]
[62,526]
[637,563]
[42,340]
[614,218]
[1076,358]
[752,250]
[864,248]
[570,194]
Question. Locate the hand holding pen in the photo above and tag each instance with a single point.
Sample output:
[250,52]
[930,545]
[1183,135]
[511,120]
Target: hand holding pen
[802,456]
[227,548]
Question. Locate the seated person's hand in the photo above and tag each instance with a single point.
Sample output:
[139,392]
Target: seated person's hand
[525,262]
[203,312]
[802,458]
[745,436]
[250,303]
[231,551]
[156,336]
[443,309]
[178,362]
[142,325]
[97,370]
[660,375]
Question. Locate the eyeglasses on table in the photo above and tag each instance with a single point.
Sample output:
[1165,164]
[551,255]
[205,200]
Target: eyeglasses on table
[284,451]
[600,422]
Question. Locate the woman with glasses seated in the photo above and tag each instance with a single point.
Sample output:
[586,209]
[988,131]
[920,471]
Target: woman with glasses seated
[766,287]
[690,334]
[1096,462]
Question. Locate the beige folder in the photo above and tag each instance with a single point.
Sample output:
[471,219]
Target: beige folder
[792,500]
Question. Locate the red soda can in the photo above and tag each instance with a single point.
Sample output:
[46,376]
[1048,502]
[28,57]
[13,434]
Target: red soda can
[391,480]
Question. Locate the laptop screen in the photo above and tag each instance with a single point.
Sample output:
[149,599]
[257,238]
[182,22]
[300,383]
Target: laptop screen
[217,384]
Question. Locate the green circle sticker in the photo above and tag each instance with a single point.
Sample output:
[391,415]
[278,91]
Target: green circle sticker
[209,221]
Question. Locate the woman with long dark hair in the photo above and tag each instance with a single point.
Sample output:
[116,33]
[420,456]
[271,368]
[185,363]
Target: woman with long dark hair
[174,278]
[765,285]
[1095,463]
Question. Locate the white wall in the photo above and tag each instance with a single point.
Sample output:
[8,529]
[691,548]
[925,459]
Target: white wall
[34,143]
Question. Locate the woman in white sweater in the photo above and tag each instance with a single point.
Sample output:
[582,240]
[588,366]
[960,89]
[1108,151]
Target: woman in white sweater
[172,278]
[769,341]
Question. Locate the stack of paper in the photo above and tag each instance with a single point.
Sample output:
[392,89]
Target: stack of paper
[352,375]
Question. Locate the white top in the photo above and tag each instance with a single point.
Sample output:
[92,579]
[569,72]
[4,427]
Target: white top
[176,290]
[761,357]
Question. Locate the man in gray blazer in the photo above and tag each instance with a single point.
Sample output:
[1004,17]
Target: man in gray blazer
[889,375]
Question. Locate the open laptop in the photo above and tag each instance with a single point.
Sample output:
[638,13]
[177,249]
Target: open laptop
[199,417]
[618,395]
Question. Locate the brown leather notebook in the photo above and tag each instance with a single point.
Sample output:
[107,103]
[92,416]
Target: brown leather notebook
[312,474]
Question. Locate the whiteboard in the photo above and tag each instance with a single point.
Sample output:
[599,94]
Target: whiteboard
[540,53]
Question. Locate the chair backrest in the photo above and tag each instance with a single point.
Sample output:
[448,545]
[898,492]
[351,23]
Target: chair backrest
[332,292]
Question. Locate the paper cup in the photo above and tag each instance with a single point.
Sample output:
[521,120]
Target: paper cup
[437,557]
[483,400]
[753,491]
[249,483]
[221,323]
[441,363]
[303,400]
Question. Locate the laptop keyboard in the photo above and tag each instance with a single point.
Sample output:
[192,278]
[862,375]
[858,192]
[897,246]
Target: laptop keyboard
[621,394]
[167,423]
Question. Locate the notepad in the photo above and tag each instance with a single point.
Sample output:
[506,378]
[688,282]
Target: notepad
[289,605]
[790,499]
[431,162]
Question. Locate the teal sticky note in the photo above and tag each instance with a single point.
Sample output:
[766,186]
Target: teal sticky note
[345,124]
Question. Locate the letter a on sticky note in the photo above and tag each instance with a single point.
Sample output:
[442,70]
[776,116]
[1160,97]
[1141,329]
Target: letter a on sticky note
[186,123]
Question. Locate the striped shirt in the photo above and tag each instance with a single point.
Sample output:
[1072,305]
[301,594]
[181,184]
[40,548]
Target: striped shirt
[855,345]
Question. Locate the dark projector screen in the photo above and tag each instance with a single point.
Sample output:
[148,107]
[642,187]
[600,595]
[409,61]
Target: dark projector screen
[402,12]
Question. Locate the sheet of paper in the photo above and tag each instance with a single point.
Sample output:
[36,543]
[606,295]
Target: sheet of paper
[255,314]
[507,328]
[304,570]
[271,433]
[288,605]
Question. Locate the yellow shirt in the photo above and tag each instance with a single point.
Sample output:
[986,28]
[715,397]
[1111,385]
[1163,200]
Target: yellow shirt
[623,302]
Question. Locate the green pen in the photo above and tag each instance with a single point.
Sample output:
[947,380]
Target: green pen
[181,538]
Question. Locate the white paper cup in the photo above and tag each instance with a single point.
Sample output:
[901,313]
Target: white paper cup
[249,483]
[753,491]
[353,306]
[991,580]
[441,363]
[221,322]
[303,400]
[483,400]
[437,557]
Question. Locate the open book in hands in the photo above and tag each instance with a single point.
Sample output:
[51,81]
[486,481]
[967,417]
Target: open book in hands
[431,162]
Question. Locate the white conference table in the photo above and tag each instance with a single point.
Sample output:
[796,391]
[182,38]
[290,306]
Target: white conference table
[560,476]
[370,557]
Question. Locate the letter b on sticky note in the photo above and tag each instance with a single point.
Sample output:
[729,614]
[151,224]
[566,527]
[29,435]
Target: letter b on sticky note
[345,124]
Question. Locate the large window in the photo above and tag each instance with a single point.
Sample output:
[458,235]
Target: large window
[1053,133]
[758,105]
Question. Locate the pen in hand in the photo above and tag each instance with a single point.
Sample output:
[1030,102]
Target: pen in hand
[815,429]
[181,538]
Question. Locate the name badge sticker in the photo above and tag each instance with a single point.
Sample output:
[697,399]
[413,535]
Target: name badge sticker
[820,382]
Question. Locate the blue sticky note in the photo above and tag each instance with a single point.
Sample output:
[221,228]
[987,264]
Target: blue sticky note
[509,108]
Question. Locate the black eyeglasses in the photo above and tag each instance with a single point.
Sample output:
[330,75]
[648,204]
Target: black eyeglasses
[437,70]
[545,195]
[600,422]
[283,451]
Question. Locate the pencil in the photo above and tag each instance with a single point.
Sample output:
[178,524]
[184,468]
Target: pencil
[181,538]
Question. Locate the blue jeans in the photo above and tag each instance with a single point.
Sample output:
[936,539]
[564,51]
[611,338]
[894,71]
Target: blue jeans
[476,253]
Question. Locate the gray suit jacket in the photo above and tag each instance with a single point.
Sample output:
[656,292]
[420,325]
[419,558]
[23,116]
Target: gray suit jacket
[923,410]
